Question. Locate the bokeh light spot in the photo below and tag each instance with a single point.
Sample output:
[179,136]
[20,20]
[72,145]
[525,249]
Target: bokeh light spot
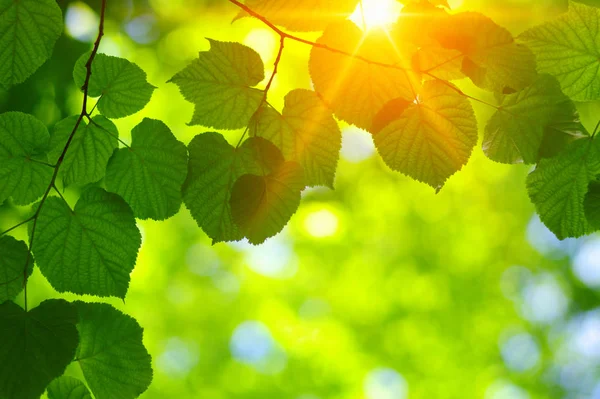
[322,223]
[385,383]
[586,264]
[520,352]
[81,22]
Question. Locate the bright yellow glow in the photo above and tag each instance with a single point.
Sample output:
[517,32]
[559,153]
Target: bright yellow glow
[376,13]
[321,223]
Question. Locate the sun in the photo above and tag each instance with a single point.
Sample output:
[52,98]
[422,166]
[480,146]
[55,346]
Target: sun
[376,13]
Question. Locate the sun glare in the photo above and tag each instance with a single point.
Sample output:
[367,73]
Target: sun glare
[376,13]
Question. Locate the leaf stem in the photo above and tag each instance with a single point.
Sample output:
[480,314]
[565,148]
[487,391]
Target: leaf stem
[84,112]
[93,122]
[16,226]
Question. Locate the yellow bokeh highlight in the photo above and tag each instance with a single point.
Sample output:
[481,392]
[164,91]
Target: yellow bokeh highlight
[376,13]
[321,223]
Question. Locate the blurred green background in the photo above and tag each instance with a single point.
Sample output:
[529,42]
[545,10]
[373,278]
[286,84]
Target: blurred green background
[380,289]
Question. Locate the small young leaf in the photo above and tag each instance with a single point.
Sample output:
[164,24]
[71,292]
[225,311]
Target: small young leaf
[111,354]
[89,250]
[37,346]
[433,139]
[568,48]
[150,173]
[492,60]
[13,256]
[591,205]
[28,31]
[302,15]
[306,132]
[220,84]
[354,89]
[515,132]
[558,186]
[120,84]
[24,144]
[66,387]
[214,166]
[88,154]
[262,205]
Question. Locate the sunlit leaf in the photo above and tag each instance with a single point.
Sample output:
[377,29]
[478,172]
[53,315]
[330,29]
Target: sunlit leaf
[432,139]
[356,90]
[220,84]
[111,354]
[28,31]
[66,387]
[12,266]
[262,205]
[120,84]
[88,154]
[91,249]
[569,48]
[24,144]
[150,173]
[516,131]
[493,60]
[38,346]
[558,186]
[305,132]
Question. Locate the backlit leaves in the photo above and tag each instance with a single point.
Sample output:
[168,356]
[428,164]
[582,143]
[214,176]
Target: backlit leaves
[114,361]
[305,132]
[150,173]
[569,49]
[214,167]
[431,140]
[37,346]
[24,144]
[12,265]
[558,187]
[120,84]
[515,132]
[493,60]
[262,205]
[220,83]
[355,89]
[28,31]
[302,15]
[91,249]
[592,205]
[91,148]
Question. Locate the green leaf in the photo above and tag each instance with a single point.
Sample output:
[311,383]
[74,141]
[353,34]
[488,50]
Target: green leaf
[431,140]
[493,60]
[516,131]
[355,89]
[569,49]
[302,15]
[591,205]
[120,84]
[36,346]
[89,250]
[150,173]
[262,205]
[66,387]
[111,354]
[12,264]
[88,154]
[28,31]
[220,84]
[214,166]
[24,143]
[306,132]
[558,186]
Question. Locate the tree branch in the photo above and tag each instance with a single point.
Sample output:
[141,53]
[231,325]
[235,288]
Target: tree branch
[84,112]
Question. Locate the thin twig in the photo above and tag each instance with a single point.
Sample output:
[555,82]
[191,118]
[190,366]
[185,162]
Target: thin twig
[84,112]
[17,226]
[596,129]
